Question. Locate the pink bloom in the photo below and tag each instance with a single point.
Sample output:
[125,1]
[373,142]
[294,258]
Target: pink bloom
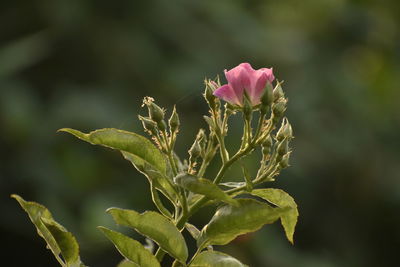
[241,79]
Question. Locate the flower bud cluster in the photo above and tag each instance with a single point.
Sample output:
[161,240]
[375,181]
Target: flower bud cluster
[198,149]
[156,126]
[283,137]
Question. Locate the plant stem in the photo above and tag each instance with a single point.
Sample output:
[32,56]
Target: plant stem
[259,126]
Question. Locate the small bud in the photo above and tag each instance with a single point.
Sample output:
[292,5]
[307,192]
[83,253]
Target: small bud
[283,147]
[149,125]
[156,113]
[268,97]
[267,145]
[284,163]
[285,131]
[195,150]
[247,108]
[174,122]
[279,108]
[278,92]
[202,139]
[211,86]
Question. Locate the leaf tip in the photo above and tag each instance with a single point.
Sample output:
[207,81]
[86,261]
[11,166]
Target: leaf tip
[15,196]
[102,228]
[74,132]
[111,210]
[18,198]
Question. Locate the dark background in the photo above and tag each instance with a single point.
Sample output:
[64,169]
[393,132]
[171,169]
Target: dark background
[88,64]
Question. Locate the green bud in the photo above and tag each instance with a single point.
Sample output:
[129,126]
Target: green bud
[278,92]
[195,150]
[202,139]
[174,122]
[285,131]
[283,147]
[155,112]
[278,109]
[284,163]
[247,108]
[266,150]
[162,125]
[149,125]
[267,98]
[211,86]
[267,142]
[267,145]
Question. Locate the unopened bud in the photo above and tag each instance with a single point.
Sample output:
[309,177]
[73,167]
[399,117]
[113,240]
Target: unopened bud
[211,86]
[267,98]
[247,108]
[267,142]
[267,145]
[279,108]
[284,163]
[285,131]
[156,113]
[278,92]
[202,139]
[174,121]
[149,125]
[283,147]
[195,150]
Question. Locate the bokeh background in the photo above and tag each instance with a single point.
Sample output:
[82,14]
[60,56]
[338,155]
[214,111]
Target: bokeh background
[88,64]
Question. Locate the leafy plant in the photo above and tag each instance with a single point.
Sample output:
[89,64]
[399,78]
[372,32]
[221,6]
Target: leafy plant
[187,185]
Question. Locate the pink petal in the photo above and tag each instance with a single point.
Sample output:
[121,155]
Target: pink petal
[257,90]
[269,73]
[259,79]
[227,93]
[239,78]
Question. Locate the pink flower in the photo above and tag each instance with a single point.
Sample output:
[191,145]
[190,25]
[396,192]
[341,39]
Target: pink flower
[244,78]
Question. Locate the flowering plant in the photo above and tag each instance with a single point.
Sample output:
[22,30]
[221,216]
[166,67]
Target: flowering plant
[187,185]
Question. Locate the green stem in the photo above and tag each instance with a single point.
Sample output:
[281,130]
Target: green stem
[259,126]
[219,131]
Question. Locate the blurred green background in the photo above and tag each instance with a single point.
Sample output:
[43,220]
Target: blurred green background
[88,64]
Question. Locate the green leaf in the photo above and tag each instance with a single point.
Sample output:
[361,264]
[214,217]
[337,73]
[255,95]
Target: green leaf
[204,187]
[230,221]
[126,263]
[215,259]
[131,249]
[142,148]
[66,242]
[58,239]
[281,199]
[156,227]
